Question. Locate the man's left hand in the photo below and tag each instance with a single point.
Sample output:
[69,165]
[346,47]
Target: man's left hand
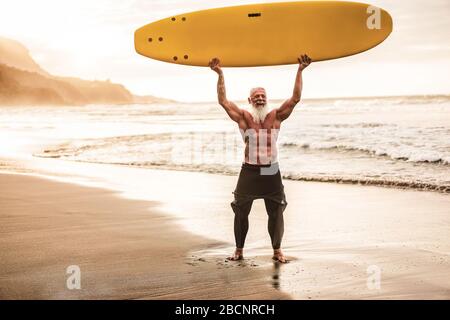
[304,61]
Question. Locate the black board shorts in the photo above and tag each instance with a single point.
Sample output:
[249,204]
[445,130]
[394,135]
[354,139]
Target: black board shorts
[254,185]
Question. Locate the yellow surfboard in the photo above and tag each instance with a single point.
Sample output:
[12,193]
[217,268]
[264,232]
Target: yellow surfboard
[265,34]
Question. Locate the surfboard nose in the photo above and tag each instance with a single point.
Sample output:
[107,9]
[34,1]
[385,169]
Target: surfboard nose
[153,41]
[142,41]
[156,40]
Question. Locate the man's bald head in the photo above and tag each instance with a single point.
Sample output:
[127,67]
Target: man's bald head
[255,90]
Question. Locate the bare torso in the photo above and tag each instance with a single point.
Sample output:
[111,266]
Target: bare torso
[260,138]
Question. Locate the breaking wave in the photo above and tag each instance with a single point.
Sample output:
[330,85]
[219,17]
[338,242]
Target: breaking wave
[403,154]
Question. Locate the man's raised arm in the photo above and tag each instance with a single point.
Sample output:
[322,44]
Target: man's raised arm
[232,109]
[287,107]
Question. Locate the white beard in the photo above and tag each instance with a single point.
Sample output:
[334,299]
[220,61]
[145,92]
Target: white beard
[259,114]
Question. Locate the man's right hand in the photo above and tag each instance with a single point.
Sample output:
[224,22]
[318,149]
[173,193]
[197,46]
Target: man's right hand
[214,64]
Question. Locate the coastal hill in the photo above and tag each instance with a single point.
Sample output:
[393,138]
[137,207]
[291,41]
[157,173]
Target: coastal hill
[24,82]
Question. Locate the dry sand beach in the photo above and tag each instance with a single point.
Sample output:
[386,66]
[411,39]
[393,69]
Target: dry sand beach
[173,245]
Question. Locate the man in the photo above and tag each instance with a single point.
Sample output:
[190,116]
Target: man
[259,177]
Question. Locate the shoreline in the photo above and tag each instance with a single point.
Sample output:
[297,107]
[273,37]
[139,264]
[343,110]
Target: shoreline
[393,184]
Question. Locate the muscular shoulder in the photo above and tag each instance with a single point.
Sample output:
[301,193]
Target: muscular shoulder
[272,119]
[272,114]
[246,112]
[243,123]
[247,116]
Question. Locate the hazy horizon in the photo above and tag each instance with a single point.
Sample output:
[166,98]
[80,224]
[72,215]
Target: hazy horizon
[95,41]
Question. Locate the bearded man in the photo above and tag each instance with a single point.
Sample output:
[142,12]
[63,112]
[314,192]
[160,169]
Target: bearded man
[260,176]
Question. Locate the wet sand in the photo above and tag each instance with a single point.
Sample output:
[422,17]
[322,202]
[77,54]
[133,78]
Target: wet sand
[126,249]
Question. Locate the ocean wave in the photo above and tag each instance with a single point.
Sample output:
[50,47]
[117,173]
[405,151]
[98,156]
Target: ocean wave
[367,181]
[388,100]
[356,125]
[409,155]
[77,147]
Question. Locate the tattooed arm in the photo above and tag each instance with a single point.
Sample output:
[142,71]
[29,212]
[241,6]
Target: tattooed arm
[233,111]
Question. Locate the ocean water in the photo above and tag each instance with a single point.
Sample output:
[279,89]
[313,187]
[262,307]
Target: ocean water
[399,142]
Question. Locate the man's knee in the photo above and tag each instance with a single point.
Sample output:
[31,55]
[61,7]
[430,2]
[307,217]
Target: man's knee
[276,206]
[282,202]
[280,208]
[240,207]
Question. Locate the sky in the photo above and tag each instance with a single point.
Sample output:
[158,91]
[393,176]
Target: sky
[94,40]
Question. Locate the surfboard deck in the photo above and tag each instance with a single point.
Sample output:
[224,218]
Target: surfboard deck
[264,34]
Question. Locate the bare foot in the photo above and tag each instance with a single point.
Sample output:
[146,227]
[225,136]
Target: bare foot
[237,255]
[278,256]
